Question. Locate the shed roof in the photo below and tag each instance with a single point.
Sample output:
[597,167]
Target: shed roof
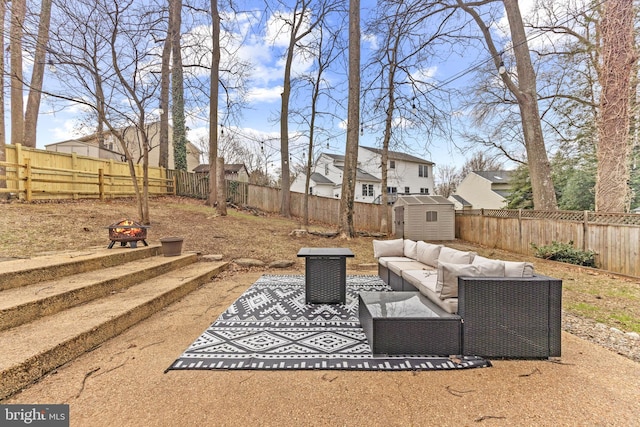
[422,199]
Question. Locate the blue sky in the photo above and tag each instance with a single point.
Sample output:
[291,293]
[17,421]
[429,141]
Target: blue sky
[264,100]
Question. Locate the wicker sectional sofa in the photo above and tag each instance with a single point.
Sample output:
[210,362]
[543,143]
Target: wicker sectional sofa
[506,310]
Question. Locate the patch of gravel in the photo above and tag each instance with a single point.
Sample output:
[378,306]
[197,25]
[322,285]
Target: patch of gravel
[624,343]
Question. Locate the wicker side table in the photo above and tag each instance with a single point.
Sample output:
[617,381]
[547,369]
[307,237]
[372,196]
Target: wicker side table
[325,274]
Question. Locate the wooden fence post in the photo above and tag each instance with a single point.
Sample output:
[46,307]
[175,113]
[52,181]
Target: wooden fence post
[28,183]
[101,183]
[585,231]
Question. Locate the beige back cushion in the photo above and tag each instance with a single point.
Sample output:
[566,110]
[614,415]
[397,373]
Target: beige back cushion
[410,250]
[428,253]
[448,275]
[454,256]
[511,268]
[394,247]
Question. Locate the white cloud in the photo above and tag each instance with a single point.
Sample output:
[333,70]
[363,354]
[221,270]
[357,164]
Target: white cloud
[264,94]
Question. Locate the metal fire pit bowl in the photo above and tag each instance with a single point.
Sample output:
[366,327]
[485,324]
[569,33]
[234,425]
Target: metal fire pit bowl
[127,231]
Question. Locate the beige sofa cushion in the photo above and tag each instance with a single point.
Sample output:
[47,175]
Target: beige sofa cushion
[394,247]
[410,249]
[454,256]
[448,274]
[512,268]
[425,281]
[398,267]
[383,261]
[427,253]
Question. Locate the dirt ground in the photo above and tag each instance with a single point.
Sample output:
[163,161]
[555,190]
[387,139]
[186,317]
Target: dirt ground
[123,381]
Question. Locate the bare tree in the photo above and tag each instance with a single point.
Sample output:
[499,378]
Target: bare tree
[345,222]
[305,16]
[35,85]
[448,180]
[3,140]
[165,82]
[104,52]
[618,57]
[525,92]
[217,193]
[16,31]
[407,38]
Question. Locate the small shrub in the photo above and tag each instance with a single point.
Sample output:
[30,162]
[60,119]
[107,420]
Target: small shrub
[565,252]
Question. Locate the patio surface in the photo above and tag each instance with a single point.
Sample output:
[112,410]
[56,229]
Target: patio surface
[122,382]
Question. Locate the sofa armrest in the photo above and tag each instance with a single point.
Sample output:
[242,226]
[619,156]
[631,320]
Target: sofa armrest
[513,317]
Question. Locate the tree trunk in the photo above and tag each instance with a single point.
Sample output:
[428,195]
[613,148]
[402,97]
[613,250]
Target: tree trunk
[35,91]
[18,10]
[217,193]
[222,190]
[345,227]
[179,126]
[525,92]
[285,182]
[544,195]
[618,56]
[165,79]
[3,140]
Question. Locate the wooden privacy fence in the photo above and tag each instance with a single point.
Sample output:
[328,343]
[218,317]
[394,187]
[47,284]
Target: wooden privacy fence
[322,209]
[615,238]
[33,174]
[190,184]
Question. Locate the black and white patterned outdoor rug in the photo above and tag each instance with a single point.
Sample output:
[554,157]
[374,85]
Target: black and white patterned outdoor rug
[270,327]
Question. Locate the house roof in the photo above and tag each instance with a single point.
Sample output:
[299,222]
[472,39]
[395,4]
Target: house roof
[335,156]
[460,200]
[232,168]
[320,179]
[362,175]
[495,176]
[396,155]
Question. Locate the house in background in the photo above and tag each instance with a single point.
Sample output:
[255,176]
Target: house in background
[483,190]
[406,174]
[234,172]
[111,149]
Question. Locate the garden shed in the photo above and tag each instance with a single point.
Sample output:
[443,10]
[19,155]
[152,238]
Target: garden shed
[423,217]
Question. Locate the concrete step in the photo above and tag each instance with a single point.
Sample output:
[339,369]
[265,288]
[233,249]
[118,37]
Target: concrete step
[20,272]
[26,303]
[31,350]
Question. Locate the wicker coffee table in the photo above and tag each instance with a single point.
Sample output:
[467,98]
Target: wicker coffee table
[407,323]
[325,274]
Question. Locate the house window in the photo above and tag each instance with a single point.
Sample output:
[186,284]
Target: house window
[406,190]
[432,216]
[392,164]
[423,170]
[326,169]
[424,191]
[367,190]
[392,190]
[311,190]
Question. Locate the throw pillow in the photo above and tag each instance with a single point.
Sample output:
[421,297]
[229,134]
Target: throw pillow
[454,256]
[448,274]
[491,264]
[518,269]
[410,249]
[428,253]
[393,247]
